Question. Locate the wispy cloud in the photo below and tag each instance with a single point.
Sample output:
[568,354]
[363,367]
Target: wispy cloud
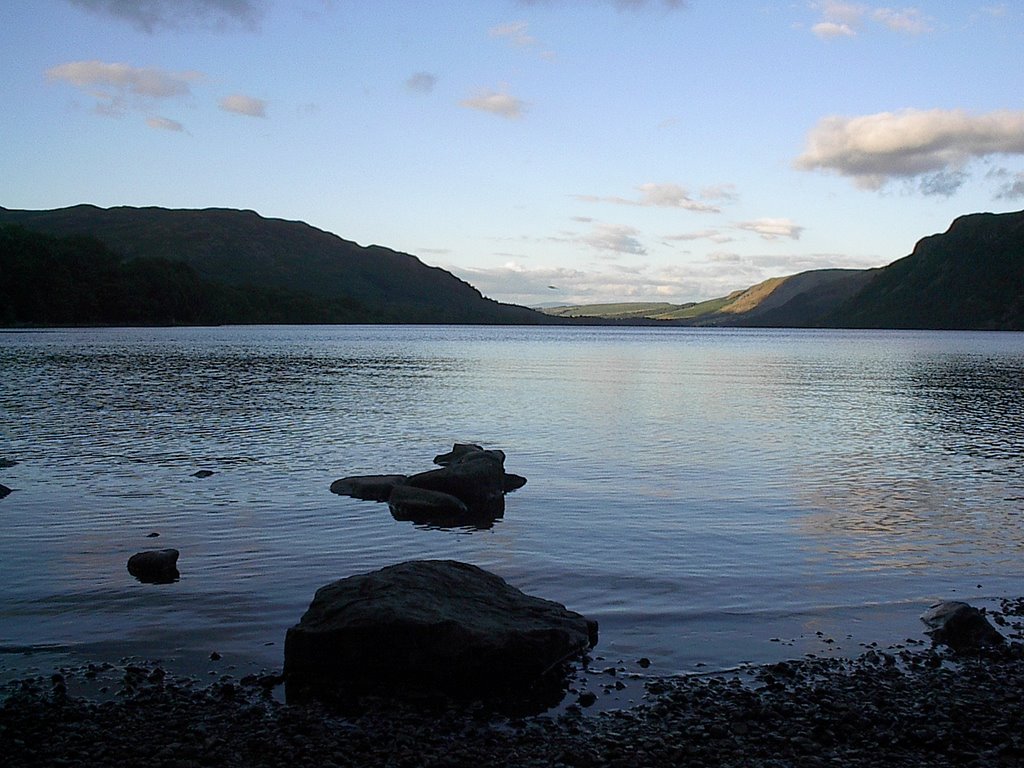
[842,19]
[515,32]
[1011,185]
[164,124]
[720,273]
[118,88]
[240,104]
[140,81]
[655,195]
[933,146]
[626,5]
[714,235]
[618,238]
[772,229]
[498,103]
[155,15]
[421,82]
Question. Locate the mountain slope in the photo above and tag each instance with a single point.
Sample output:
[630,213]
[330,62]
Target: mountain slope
[244,250]
[969,277]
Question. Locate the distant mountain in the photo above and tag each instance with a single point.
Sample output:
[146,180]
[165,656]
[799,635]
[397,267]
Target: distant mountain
[308,275]
[970,277]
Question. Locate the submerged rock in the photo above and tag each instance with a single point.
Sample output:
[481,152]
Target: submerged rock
[6,463]
[369,487]
[427,627]
[408,502]
[155,566]
[960,626]
[203,473]
[4,491]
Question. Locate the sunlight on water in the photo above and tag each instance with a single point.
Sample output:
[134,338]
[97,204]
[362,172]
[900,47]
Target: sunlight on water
[708,495]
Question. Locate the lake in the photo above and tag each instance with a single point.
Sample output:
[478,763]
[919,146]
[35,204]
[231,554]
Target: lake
[710,496]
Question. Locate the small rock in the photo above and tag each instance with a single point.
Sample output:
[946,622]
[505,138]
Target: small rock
[7,463]
[215,656]
[960,626]
[155,566]
[203,473]
[4,491]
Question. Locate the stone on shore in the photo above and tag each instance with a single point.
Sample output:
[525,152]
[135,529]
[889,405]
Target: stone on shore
[155,566]
[367,487]
[960,626]
[431,627]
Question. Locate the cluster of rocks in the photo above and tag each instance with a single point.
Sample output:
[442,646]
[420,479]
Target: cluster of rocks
[468,490]
[932,707]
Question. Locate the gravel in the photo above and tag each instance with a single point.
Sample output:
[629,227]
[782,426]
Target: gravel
[903,706]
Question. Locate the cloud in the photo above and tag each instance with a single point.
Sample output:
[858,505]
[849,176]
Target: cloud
[943,183]
[618,238]
[165,124]
[515,32]
[841,19]
[772,229]
[501,104]
[1012,186]
[713,235]
[628,5]
[120,87]
[873,150]
[421,82]
[153,15]
[240,104]
[139,81]
[721,273]
[653,195]
[910,20]
[830,29]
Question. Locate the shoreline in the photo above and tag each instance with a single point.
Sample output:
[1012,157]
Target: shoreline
[903,706]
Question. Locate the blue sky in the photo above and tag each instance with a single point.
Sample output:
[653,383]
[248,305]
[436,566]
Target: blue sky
[544,150]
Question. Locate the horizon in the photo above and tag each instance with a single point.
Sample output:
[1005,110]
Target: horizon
[545,152]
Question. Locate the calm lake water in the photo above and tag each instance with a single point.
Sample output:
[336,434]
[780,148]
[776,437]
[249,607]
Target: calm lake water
[710,496]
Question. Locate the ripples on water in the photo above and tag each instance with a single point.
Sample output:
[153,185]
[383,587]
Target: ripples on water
[699,492]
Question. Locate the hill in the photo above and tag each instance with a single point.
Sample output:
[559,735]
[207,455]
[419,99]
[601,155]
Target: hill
[971,277]
[328,278]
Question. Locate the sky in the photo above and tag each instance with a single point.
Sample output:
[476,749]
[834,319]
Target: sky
[546,151]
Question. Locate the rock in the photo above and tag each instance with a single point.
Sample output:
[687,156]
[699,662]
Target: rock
[960,626]
[475,477]
[408,502]
[368,487]
[7,463]
[458,450]
[155,566]
[4,491]
[427,627]
[511,482]
[203,473]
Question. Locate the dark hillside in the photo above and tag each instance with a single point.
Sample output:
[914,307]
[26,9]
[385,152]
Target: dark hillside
[241,249]
[970,277]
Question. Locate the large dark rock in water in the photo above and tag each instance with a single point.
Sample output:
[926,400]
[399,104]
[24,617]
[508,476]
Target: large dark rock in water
[4,491]
[155,566]
[960,626]
[431,627]
[475,477]
[467,492]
